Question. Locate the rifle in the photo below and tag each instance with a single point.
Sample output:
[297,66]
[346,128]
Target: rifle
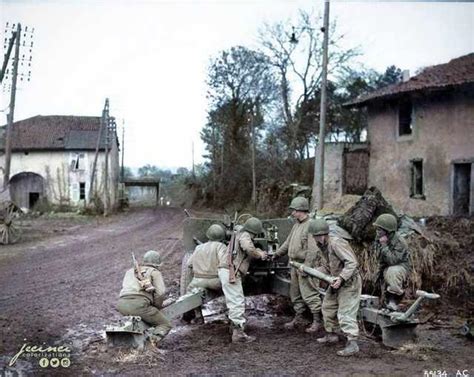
[230,259]
[145,283]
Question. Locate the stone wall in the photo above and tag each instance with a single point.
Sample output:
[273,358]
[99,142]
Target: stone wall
[61,177]
[443,133]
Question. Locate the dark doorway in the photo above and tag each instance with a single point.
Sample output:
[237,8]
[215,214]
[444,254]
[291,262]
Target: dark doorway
[33,199]
[461,189]
[26,188]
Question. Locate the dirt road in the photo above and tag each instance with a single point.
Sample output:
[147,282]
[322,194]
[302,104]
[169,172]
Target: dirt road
[63,290]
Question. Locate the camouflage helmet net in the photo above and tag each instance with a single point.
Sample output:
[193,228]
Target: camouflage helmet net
[299,204]
[318,227]
[387,222]
[253,225]
[215,233]
[152,258]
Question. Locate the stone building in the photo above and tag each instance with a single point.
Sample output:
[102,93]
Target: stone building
[345,169]
[421,137]
[52,159]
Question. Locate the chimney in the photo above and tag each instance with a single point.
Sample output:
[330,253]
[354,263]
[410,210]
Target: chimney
[405,75]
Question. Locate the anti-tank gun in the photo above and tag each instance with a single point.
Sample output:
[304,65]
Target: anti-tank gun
[268,276]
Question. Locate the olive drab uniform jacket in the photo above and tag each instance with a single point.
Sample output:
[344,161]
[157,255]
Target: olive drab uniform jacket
[298,245]
[132,287]
[340,306]
[207,258]
[395,252]
[338,259]
[244,252]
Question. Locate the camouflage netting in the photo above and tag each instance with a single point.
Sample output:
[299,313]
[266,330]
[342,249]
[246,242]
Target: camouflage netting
[359,218]
[274,197]
[441,253]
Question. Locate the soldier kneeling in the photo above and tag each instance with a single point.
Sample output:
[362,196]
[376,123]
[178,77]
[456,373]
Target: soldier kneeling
[394,259]
[211,264]
[206,259]
[143,293]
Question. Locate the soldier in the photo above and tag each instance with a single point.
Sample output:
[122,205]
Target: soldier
[231,275]
[341,302]
[394,259]
[303,288]
[206,259]
[143,296]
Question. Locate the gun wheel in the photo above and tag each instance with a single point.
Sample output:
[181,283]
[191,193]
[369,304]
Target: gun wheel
[10,231]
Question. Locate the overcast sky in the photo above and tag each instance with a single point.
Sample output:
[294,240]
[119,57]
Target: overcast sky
[150,57]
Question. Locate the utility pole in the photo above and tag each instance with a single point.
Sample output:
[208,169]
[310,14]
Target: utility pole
[109,132]
[318,183]
[8,142]
[254,178]
[194,173]
[122,173]
[7,56]
[103,123]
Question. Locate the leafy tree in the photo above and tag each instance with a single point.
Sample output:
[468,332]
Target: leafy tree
[127,172]
[152,171]
[241,85]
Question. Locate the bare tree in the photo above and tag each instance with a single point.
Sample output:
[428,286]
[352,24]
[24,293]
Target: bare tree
[297,59]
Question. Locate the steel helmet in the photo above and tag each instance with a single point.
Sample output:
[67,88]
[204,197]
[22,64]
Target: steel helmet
[152,258]
[318,227]
[215,233]
[253,225]
[299,204]
[387,222]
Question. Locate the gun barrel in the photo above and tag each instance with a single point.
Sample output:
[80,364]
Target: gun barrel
[424,294]
[414,307]
[315,273]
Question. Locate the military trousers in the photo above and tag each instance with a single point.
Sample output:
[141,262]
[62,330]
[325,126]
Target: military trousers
[304,292]
[340,308]
[206,283]
[395,277]
[141,306]
[234,297]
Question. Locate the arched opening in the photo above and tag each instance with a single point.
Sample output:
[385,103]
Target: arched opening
[26,189]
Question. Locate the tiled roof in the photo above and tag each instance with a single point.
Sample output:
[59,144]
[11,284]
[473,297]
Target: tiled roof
[457,72]
[55,132]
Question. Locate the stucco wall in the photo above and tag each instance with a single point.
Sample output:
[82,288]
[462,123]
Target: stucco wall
[334,166]
[443,132]
[61,180]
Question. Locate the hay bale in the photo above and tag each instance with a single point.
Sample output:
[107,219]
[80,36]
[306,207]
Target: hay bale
[422,256]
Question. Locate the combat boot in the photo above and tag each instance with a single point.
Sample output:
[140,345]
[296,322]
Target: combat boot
[298,320]
[328,338]
[239,336]
[391,302]
[351,348]
[392,305]
[154,341]
[315,325]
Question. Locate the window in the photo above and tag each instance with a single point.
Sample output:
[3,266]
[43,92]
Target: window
[82,190]
[416,190]
[405,112]
[78,162]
